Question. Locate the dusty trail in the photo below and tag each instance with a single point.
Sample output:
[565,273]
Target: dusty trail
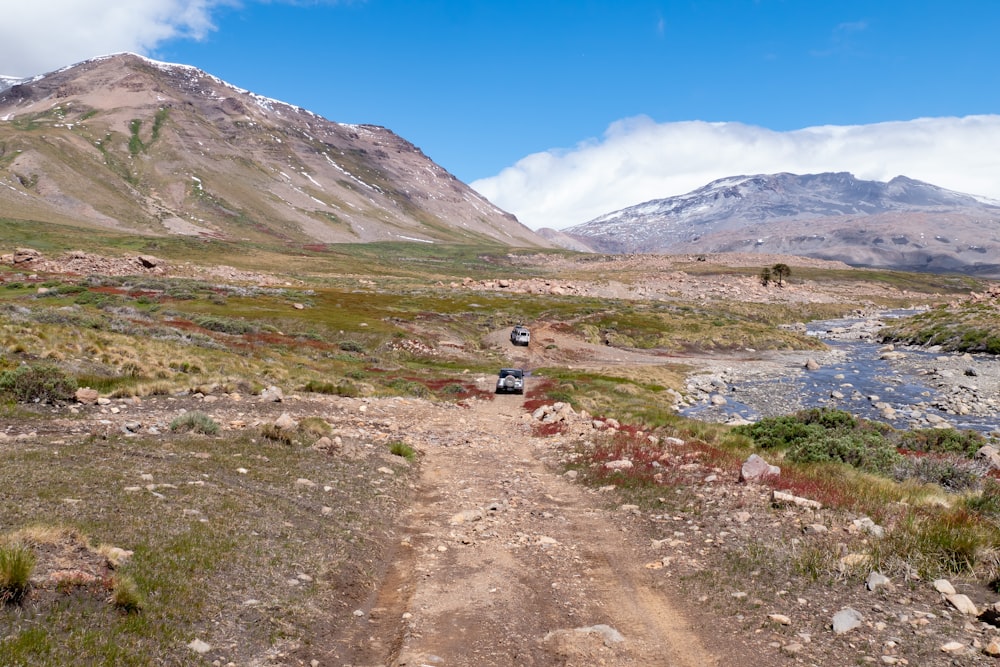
[504,562]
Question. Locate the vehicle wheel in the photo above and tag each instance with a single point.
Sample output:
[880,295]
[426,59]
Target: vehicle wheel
[509,382]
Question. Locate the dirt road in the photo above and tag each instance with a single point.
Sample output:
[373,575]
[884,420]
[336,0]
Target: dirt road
[504,562]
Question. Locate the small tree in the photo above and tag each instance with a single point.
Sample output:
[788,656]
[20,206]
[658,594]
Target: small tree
[780,272]
[765,276]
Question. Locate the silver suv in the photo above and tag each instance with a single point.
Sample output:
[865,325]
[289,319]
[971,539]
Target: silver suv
[520,335]
[510,381]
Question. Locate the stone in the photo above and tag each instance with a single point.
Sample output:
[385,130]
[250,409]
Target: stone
[944,587]
[963,604]
[782,498]
[285,422]
[876,580]
[953,647]
[989,454]
[846,619]
[149,261]
[811,365]
[200,647]
[780,619]
[993,647]
[272,394]
[756,468]
[86,395]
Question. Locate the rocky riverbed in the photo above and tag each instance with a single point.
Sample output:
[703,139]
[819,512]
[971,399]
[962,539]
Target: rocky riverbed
[907,387]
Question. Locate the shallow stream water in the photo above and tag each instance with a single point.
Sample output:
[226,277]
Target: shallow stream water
[857,373]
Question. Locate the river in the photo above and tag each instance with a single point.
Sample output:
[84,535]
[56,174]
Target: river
[906,387]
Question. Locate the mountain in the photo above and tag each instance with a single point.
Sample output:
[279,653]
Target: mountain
[904,224]
[8,81]
[126,143]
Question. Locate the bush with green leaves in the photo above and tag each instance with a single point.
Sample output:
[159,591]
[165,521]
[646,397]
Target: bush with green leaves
[942,441]
[38,383]
[822,435]
[17,563]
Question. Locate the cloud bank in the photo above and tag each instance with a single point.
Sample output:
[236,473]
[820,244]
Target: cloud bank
[638,160]
[39,36]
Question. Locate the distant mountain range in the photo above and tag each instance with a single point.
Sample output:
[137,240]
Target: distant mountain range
[903,224]
[126,143]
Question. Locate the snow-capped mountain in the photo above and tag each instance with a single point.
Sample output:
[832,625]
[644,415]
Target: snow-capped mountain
[903,223]
[8,81]
[127,143]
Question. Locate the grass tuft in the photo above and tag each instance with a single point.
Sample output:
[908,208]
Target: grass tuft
[17,563]
[125,594]
[195,422]
[399,448]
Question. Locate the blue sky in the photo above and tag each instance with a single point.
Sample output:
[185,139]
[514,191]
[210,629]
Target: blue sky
[561,111]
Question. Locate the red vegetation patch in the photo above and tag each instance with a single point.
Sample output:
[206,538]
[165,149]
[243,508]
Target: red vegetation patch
[545,429]
[829,491]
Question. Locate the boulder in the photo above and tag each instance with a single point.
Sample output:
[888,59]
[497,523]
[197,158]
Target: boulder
[285,422]
[86,395]
[272,394]
[755,469]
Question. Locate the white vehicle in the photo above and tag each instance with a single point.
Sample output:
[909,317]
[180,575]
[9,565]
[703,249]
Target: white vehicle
[520,335]
[510,381]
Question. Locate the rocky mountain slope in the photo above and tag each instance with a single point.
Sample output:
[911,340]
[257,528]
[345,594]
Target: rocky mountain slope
[902,224]
[126,143]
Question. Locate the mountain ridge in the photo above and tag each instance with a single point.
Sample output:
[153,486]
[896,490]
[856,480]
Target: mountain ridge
[903,223]
[128,143]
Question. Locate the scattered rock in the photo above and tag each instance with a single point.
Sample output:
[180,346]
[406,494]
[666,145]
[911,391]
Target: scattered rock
[846,619]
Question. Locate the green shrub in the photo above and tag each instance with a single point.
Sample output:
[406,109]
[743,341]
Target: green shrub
[38,383]
[225,325]
[864,451]
[197,422]
[351,346]
[343,388]
[942,441]
[17,562]
[402,449]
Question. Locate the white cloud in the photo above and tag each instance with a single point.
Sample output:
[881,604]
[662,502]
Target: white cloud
[638,160]
[38,36]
